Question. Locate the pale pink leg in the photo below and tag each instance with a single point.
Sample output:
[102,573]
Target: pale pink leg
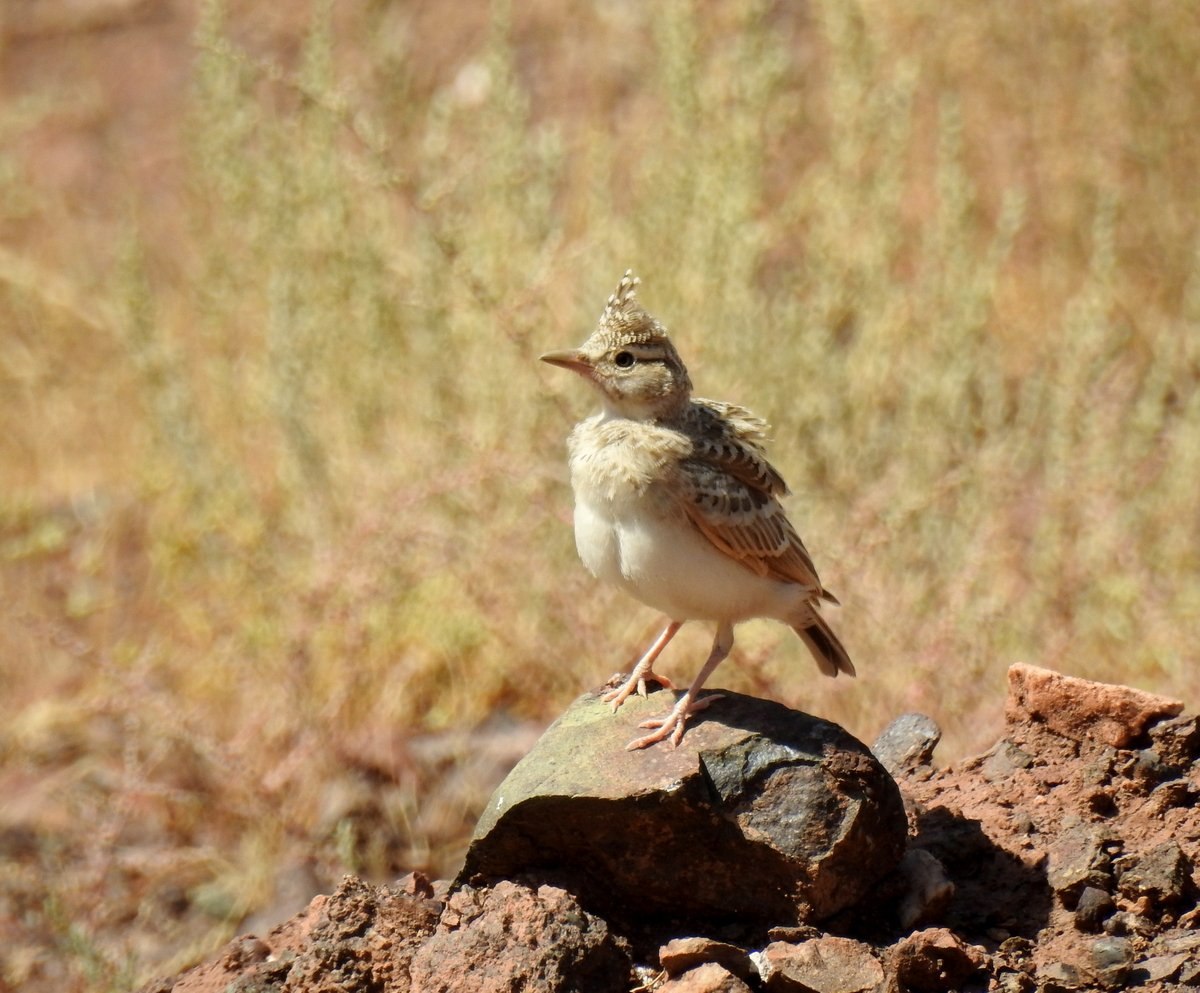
[637,678]
[672,725]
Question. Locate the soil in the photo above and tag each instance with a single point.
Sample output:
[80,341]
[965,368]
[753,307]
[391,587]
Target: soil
[1052,835]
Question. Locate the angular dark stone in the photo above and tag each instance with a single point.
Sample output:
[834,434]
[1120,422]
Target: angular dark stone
[761,815]
[1160,873]
[1126,922]
[1149,766]
[1003,760]
[1079,859]
[907,743]
[1093,907]
[1177,741]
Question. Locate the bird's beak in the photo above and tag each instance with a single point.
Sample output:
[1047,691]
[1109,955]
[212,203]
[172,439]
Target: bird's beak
[570,358]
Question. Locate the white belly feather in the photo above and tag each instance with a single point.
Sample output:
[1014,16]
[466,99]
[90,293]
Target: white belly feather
[633,534]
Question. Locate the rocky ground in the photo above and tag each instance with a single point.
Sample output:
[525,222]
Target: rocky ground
[1063,858]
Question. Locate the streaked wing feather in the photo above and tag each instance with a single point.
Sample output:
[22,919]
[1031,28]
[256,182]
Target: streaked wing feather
[746,523]
[730,437]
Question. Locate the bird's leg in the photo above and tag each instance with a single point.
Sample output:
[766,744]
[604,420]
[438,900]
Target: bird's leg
[672,725]
[637,679]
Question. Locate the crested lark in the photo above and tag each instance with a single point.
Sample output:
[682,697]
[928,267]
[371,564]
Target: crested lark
[676,503]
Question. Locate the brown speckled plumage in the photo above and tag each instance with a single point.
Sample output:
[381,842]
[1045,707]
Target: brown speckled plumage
[677,503]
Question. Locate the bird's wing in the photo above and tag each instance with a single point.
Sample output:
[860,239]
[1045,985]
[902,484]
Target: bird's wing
[744,521]
[730,438]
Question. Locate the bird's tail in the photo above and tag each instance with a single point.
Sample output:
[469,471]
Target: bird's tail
[829,652]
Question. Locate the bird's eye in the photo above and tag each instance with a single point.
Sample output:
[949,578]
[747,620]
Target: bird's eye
[624,360]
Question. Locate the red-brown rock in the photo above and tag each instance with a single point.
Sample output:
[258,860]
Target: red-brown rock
[515,937]
[681,954]
[821,965]
[707,978]
[361,937]
[1080,709]
[936,960]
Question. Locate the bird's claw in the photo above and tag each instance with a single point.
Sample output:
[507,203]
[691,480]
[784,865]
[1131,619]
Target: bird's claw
[634,684]
[662,681]
[671,725]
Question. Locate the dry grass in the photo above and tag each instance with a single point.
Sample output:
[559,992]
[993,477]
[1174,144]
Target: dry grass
[284,488]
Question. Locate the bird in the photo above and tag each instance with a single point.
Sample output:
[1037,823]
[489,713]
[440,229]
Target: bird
[677,504]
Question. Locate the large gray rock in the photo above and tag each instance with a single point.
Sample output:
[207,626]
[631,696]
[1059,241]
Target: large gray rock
[761,815]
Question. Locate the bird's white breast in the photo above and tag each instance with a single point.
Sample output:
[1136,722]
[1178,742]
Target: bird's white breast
[613,473]
[630,530]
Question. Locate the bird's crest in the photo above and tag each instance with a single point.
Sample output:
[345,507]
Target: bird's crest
[624,320]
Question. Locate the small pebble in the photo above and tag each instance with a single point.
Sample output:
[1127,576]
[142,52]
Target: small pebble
[907,743]
[1110,951]
[1022,823]
[1093,907]
[1014,982]
[1059,976]
[1110,960]
[1123,922]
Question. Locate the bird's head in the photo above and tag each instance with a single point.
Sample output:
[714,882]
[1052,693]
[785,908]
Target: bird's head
[630,359]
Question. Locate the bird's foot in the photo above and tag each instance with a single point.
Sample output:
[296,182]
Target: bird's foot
[636,683]
[672,725]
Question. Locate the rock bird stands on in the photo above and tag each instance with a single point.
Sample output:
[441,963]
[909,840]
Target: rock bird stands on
[676,503]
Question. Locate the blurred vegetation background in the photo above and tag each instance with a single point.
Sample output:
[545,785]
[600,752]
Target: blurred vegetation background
[287,578]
